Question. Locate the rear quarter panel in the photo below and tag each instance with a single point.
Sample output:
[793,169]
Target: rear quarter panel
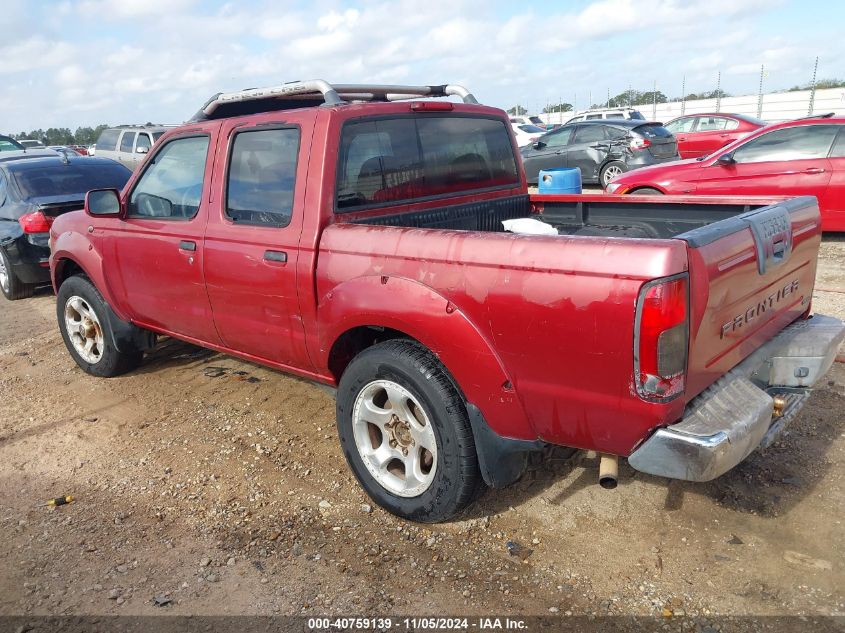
[555,312]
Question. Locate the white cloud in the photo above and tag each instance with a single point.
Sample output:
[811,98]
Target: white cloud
[123,9]
[34,53]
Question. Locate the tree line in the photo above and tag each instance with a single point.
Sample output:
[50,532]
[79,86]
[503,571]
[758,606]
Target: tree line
[63,136]
[630,98]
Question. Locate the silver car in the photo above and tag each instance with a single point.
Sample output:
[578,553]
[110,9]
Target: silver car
[128,144]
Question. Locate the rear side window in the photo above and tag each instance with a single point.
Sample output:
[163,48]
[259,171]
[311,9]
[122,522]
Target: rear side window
[594,116]
[615,115]
[126,141]
[74,179]
[653,131]
[801,142]
[838,150]
[262,170]
[108,140]
[405,158]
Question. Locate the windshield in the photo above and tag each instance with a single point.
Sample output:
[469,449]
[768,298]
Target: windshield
[61,179]
[653,130]
[536,120]
[532,129]
[635,114]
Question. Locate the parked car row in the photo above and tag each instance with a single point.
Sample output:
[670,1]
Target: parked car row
[802,157]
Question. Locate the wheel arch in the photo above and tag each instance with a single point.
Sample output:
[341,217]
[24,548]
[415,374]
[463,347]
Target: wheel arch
[368,310]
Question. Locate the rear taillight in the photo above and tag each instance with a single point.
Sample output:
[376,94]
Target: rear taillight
[638,143]
[35,222]
[662,337]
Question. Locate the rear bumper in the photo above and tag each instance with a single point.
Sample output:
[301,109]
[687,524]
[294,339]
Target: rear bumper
[29,256]
[734,416]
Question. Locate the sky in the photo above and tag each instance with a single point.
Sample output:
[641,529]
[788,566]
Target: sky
[85,62]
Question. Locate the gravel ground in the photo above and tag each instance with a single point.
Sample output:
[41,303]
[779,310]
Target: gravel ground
[206,485]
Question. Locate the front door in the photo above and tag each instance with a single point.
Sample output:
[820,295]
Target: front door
[550,155]
[252,238]
[789,161]
[158,246]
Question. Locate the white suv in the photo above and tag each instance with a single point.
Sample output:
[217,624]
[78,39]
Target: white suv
[610,113]
[128,144]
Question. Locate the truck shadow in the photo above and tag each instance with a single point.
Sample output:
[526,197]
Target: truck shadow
[768,483]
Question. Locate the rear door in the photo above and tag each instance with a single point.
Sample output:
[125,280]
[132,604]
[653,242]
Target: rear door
[126,149]
[790,161]
[252,238]
[587,150]
[157,248]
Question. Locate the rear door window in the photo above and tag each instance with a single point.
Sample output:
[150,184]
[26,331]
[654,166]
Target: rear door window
[127,141]
[108,140]
[262,173]
[801,142]
[405,158]
[590,134]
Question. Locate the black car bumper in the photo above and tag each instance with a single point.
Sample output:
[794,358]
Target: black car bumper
[29,255]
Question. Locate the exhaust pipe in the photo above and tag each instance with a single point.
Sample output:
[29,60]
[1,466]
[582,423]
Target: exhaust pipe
[608,471]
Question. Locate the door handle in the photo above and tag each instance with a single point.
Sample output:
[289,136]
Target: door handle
[813,170]
[681,138]
[275,256]
[187,245]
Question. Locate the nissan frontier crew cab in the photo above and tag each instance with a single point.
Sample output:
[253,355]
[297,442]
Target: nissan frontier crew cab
[353,235]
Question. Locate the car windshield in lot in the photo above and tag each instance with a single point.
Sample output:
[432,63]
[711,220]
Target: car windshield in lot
[653,130]
[532,129]
[60,179]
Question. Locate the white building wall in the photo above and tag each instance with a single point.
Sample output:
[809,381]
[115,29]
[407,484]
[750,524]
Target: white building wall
[777,106]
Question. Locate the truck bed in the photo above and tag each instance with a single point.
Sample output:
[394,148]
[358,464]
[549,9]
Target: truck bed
[571,339]
[588,215]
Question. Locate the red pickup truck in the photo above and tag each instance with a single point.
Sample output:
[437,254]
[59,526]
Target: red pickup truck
[353,235]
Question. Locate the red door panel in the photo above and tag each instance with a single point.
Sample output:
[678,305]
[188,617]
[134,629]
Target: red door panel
[252,237]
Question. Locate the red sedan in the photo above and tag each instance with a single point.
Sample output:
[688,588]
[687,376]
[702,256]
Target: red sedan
[803,157]
[702,134]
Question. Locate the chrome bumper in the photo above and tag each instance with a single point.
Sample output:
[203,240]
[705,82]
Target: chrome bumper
[734,416]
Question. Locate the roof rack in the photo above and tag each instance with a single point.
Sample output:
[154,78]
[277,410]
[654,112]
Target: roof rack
[297,94]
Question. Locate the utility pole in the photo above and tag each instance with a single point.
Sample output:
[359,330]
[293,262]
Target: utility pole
[683,94]
[813,88]
[654,100]
[719,91]
[760,93]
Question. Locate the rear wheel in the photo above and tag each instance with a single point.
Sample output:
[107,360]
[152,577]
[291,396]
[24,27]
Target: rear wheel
[12,287]
[405,433]
[646,191]
[83,321]
[611,171]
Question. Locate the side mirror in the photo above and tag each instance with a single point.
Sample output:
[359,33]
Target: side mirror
[142,150]
[539,145]
[103,203]
[726,159]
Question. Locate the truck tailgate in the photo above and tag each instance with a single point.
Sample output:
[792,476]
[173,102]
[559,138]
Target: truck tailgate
[750,276]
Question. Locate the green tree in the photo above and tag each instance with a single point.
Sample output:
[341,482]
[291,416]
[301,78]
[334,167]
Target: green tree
[517,110]
[559,107]
[707,94]
[821,84]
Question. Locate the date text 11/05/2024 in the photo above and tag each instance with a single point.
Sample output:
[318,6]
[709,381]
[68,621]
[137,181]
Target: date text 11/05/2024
[417,624]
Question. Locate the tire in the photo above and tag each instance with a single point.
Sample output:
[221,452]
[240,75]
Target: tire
[610,171]
[430,424]
[12,287]
[83,316]
[646,191]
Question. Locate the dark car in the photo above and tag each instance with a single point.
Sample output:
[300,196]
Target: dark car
[8,144]
[35,187]
[600,149]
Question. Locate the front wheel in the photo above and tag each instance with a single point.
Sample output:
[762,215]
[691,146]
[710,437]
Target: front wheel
[404,430]
[83,321]
[646,191]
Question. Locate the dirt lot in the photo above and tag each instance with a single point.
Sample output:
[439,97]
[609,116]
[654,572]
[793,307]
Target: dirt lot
[219,486]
